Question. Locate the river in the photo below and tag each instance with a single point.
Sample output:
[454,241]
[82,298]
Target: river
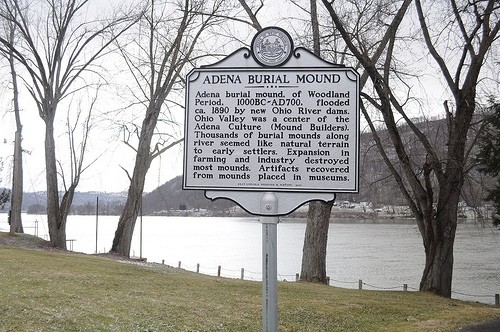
[383,255]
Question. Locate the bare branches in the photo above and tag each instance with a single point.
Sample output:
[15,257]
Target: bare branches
[78,141]
[478,25]
[167,40]
[157,59]
[158,149]
[252,14]
[470,29]
[58,46]
[68,49]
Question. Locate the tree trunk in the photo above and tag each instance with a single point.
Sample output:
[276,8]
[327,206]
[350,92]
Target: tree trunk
[438,271]
[315,242]
[57,224]
[438,230]
[16,199]
[16,224]
[125,229]
[318,216]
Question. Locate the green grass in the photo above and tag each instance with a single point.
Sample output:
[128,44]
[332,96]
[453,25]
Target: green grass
[58,291]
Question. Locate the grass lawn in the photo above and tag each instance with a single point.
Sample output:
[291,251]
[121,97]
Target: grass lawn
[47,290]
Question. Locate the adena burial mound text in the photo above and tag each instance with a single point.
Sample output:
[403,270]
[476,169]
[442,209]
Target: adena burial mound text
[283,129]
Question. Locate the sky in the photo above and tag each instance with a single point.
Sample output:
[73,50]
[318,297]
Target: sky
[109,156]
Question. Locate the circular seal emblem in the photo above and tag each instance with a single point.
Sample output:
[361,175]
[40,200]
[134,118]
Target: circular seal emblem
[272,46]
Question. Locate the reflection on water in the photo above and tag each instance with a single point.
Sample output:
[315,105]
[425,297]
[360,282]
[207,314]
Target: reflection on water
[383,256]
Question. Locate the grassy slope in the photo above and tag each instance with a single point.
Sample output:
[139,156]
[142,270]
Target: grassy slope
[50,290]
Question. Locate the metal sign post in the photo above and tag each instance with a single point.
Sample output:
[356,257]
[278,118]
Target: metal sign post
[271,128]
[269,205]
[269,274]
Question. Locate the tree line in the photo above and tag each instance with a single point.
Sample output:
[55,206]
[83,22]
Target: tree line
[58,52]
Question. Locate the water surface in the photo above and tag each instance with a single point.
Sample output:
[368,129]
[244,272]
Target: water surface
[382,255]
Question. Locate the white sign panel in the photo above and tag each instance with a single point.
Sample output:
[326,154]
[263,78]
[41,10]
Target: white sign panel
[272,129]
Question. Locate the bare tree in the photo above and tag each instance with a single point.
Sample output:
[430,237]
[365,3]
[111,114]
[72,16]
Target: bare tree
[318,218]
[478,23]
[56,46]
[431,185]
[313,266]
[16,195]
[316,235]
[157,56]
[78,133]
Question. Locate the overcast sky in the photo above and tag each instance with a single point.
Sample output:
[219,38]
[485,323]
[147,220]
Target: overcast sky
[107,173]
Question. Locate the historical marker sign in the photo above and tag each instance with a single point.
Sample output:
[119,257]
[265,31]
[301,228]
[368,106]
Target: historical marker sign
[272,127]
[264,128]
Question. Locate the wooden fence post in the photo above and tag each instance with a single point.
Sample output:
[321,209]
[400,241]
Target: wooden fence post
[198,268]
[242,273]
[497,299]
[360,282]
[179,266]
[218,271]
[405,287]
